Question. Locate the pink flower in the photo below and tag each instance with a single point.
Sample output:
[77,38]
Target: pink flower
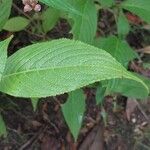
[27,8]
[37,8]
[31,5]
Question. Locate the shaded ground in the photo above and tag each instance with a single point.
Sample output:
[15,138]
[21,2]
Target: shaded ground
[108,127]
[46,129]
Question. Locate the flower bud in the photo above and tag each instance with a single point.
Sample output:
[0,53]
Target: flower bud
[30,5]
[37,8]
[27,8]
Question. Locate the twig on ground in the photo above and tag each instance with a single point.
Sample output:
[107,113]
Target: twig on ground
[33,139]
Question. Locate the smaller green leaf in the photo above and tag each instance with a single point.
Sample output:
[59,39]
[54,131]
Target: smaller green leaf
[16,24]
[73,111]
[85,25]
[107,3]
[123,87]
[34,102]
[119,49]
[123,25]
[61,5]
[104,115]
[49,19]
[5,8]
[3,54]
[100,93]
[3,131]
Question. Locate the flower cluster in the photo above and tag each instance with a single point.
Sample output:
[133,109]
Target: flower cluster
[30,5]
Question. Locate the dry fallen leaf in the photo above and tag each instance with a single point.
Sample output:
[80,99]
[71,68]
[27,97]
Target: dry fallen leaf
[145,50]
[94,140]
[147,26]
[49,142]
[130,107]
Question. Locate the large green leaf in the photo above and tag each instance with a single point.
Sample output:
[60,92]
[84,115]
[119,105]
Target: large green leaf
[61,5]
[5,7]
[3,55]
[3,131]
[51,68]
[117,48]
[73,111]
[138,7]
[85,25]
[16,24]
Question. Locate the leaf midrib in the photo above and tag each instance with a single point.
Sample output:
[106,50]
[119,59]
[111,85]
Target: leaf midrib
[60,67]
